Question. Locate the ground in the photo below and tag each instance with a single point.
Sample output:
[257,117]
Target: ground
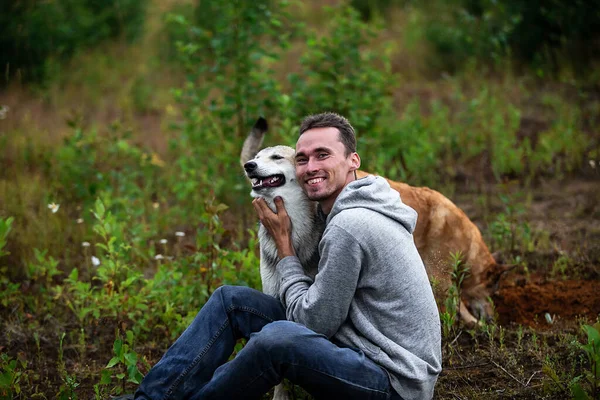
[540,304]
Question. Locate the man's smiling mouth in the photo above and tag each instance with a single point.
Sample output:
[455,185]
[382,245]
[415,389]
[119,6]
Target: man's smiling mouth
[314,181]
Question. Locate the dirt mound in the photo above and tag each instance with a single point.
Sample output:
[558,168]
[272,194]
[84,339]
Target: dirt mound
[527,303]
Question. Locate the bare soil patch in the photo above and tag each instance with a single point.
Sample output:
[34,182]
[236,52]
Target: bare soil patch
[527,303]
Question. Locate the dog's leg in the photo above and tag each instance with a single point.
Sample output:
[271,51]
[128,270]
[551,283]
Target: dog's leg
[466,316]
[281,393]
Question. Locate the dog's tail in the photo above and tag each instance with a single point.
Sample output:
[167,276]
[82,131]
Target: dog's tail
[254,140]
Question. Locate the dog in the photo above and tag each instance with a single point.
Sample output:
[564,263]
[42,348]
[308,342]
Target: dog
[442,229]
[273,174]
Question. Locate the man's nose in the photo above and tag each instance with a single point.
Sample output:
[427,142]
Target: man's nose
[312,166]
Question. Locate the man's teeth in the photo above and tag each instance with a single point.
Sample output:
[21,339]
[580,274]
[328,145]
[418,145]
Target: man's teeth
[315,180]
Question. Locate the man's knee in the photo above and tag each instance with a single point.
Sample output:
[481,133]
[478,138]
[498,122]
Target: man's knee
[280,337]
[230,292]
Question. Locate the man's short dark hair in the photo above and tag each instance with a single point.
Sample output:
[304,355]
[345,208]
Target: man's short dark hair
[332,120]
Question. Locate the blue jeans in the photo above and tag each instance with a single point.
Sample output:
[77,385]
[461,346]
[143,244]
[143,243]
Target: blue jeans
[196,366]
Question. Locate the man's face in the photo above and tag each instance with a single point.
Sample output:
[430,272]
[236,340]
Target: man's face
[322,168]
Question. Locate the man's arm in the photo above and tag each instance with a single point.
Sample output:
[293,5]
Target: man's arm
[323,305]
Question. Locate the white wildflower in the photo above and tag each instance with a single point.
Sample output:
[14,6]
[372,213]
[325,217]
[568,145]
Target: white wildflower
[155,205]
[85,244]
[592,163]
[95,261]
[163,241]
[159,257]
[53,207]
[80,220]
[4,111]
[180,234]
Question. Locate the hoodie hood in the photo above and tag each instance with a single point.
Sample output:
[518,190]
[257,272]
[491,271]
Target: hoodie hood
[374,193]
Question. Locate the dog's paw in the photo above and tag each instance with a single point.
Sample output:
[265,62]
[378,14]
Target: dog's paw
[281,393]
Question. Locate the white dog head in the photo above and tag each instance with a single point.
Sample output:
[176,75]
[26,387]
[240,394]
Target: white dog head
[271,170]
[272,173]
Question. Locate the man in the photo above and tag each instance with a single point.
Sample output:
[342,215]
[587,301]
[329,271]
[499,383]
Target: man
[366,327]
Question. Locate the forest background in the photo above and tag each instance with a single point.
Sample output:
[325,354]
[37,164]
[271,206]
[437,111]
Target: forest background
[123,205]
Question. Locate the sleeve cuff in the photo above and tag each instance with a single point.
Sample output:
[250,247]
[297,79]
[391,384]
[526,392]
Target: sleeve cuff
[289,266]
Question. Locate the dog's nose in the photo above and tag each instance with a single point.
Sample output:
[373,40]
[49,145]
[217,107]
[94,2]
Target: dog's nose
[250,166]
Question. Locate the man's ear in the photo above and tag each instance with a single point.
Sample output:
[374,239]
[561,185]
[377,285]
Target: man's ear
[354,161]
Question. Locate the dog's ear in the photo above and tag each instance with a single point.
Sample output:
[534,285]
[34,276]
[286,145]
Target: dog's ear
[254,140]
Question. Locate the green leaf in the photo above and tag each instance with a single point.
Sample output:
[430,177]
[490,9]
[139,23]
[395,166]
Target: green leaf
[118,348]
[593,334]
[6,379]
[128,282]
[134,374]
[74,275]
[106,377]
[99,209]
[129,335]
[131,358]
[579,393]
[113,361]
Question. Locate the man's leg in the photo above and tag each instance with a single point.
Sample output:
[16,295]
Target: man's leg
[284,349]
[231,313]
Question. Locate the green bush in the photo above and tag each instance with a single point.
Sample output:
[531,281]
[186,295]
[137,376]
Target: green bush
[230,82]
[542,34]
[35,35]
[342,72]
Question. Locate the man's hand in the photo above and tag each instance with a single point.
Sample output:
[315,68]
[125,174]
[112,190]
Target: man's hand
[277,224]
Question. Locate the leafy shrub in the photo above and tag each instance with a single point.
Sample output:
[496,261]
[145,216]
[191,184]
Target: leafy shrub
[342,73]
[588,386]
[35,34]
[230,82]
[369,8]
[541,34]
[536,33]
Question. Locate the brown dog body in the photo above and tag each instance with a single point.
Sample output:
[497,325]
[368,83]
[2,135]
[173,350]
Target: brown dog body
[442,229]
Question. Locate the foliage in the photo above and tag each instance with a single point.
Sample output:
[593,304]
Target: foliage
[369,9]
[125,357]
[4,231]
[344,72]
[535,33]
[239,63]
[509,230]
[11,372]
[450,315]
[589,386]
[37,34]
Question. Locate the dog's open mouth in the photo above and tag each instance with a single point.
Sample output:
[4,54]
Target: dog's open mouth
[267,182]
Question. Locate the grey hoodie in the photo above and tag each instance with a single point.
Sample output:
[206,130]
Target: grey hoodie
[371,291]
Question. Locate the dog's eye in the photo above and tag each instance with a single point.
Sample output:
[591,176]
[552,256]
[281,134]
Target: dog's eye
[276,157]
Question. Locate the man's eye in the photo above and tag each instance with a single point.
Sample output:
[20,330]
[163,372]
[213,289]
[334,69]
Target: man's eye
[301,161]
[323,155]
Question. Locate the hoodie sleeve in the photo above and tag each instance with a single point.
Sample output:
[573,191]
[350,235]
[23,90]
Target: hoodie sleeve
[323,305]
